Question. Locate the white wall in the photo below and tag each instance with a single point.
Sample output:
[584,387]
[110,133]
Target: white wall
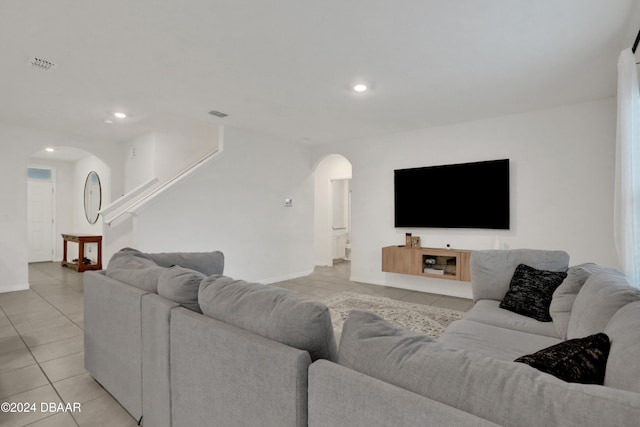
[235,203]
[81,170]
[140,160]
[179,144]
[562,169]
[18,144]
[562,179]
[69,198]
[173,146]
[332,167]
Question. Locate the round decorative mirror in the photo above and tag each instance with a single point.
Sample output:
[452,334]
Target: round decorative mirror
[92,197]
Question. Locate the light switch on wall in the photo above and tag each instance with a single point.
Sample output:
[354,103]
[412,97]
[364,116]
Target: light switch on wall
[288,202]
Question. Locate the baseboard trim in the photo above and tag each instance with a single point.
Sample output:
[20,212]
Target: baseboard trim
[15,287]
[435,286]
[285,277]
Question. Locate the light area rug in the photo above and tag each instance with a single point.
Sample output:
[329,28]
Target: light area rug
[418,317]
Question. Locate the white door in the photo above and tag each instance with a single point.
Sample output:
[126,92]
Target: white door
[40,220]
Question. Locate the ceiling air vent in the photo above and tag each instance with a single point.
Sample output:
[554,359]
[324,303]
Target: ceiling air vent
[218,114]
[41,64]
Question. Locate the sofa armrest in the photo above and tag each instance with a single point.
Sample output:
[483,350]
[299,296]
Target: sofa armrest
[112,338]
[339,396]
[156,371]
[223,375]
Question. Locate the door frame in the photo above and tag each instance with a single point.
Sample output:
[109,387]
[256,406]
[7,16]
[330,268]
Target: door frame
[54,224]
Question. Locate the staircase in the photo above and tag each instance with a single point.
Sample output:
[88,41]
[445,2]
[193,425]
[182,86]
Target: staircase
[118,218]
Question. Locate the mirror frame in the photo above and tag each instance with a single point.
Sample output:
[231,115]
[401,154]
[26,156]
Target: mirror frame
[90,210]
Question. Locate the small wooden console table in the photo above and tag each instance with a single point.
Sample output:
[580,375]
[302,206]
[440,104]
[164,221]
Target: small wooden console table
[81,239]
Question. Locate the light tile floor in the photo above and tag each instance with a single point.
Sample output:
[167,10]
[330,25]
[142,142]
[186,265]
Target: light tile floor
[41,342]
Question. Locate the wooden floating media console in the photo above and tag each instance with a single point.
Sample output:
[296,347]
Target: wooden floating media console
[451,264]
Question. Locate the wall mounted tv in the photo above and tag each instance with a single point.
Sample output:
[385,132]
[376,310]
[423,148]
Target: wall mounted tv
[465,195]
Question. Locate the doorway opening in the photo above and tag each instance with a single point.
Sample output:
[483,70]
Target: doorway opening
[40,213]
[56,199]
[332,221]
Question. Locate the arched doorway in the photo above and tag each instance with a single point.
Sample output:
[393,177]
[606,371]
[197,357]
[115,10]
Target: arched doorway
[332,220]
[62,172]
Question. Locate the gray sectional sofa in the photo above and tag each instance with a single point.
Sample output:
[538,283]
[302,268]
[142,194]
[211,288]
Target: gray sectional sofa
[244,361]
[254,355]
[399,374]
[117,336]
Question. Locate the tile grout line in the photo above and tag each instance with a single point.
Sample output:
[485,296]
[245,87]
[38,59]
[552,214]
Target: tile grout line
[34,358]
[45,374]
[64,314]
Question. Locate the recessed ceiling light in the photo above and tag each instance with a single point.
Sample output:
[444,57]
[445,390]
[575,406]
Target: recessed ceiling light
[360,87]
[120,115]
[109,122]
[49,149]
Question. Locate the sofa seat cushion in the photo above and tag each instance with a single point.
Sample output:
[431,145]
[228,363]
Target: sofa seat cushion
[136,269]
[489,312]
[506,393]
[494,341]
[271,312]
[181,285]
[580,360]
[565,295]
[602,295]
[530,292]
[623,365]
[492,270]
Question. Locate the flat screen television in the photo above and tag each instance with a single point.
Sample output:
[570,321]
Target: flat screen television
[465,195]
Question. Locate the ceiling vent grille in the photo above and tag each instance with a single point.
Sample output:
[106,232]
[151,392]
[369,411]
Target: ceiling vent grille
[218,114]
[41,64]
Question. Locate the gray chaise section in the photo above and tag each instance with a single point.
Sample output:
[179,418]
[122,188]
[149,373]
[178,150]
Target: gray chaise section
[494,331]
[507,393]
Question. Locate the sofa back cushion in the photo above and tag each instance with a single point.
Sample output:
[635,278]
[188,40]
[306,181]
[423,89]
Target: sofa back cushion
[506,393]
[565,295]
[207,263]
[271,312]
[623,365]
[181,285]
[603,294]
[492,270]
[136,269]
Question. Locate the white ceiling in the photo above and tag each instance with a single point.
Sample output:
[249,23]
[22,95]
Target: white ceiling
[286,67]
[62,154]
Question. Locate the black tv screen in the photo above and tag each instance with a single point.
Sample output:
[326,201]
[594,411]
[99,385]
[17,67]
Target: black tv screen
[465,195]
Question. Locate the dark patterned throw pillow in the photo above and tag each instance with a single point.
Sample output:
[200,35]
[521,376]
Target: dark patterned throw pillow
[531,290]
[580,360]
